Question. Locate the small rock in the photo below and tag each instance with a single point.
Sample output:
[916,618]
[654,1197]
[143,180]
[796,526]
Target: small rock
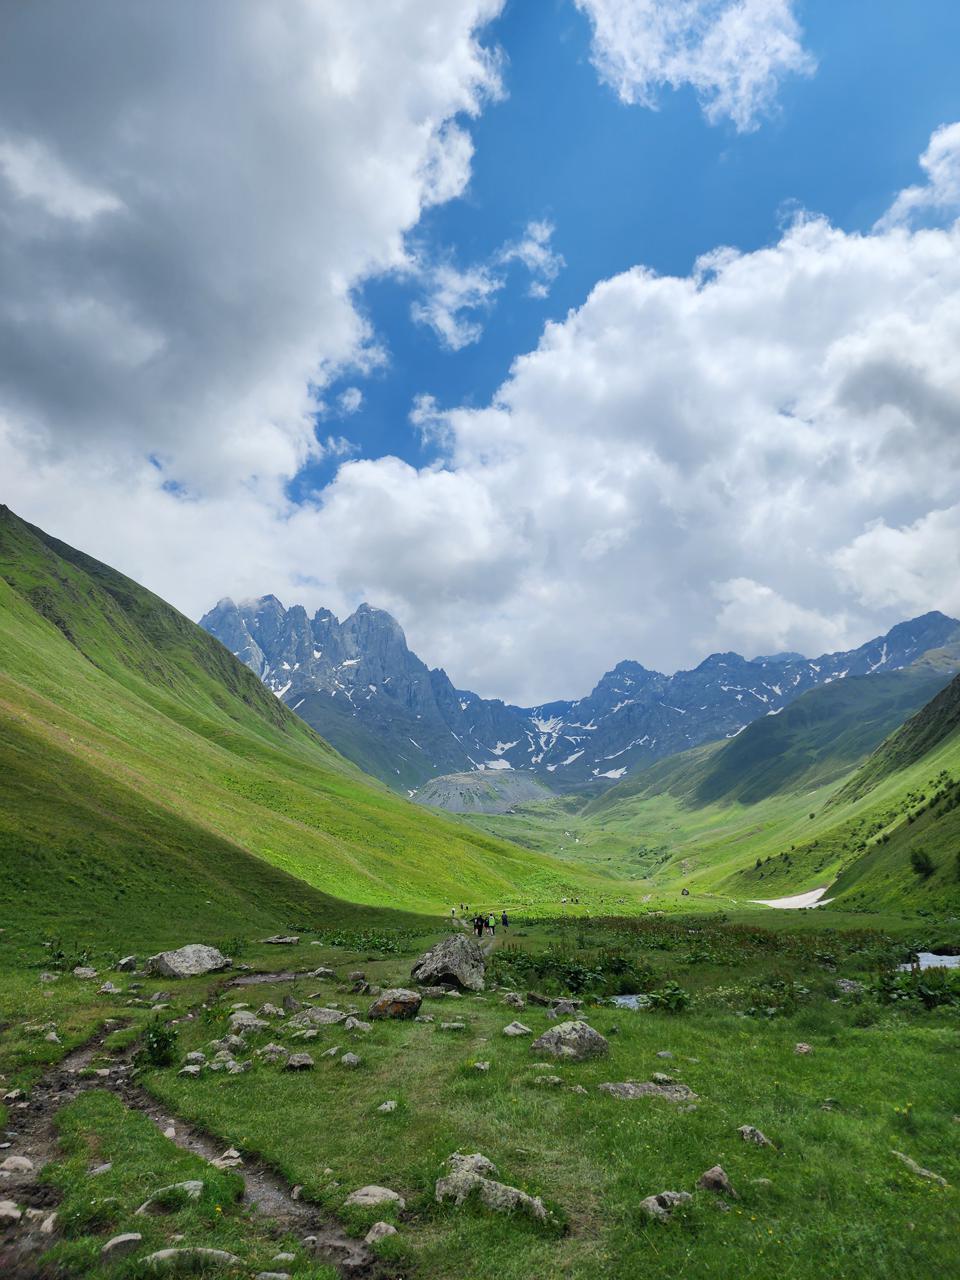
[170,1132]
[331,1053]
[659,1078]
[52,1038]
[108,989]
[574,1041]
[517,1029]
[284,1257]
[49,977]
[322,973]
[120,1246]
[630,1091]
[14,1095]
[17,1164]
[662,1205]
[291,1004]
[270,1011]
[48,1225]
[453,1026]
[515,1000]
[664,1053]
[917,1169]
[195,1056]
[281,940]
[243,1019]
[187,1261]
[317,1016]
[565,1008]
[191,1071]
[716,1180]
[190,961]
[298,1062]
[578,1088]
[469,1175]
[101,1168]
[272,1275]
[126,965]
[84,971]
[10,1215]
[424,1017]
[177,1191]
[802,1048]
[386,1107]
[271,1052]
[547,1081]
[379,1231]
[356,1024]
[481,1066]
[357,976]
[372,1196]
[396,1002]
[849,986]
[751,1134]
[349,1060]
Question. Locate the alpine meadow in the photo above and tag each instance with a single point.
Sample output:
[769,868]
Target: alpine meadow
[480,640]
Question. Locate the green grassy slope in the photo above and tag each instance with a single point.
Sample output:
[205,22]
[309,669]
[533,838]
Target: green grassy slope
[145,771]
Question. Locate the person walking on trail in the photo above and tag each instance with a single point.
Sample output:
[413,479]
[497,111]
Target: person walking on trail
[492,922]
[478,925]
[503,920]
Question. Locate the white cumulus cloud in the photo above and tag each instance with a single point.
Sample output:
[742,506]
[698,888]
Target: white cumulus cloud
[733,53]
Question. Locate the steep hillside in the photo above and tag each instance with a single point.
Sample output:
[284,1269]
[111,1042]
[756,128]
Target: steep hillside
[145,770]
[482,791]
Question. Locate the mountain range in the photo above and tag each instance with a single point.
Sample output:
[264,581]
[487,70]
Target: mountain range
[360,686]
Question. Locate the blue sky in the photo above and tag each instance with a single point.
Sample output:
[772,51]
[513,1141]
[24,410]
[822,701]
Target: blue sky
[215,215]
[625,186]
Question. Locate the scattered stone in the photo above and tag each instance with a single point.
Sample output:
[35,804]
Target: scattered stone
[170,1132]
[48,1225]
[322,973]
[280,940]
[849,987]
[517,1029]
[458,960]
[481,1066]
[190,961]
[101,1168]
[386,1107]
[515,1000]
[291,1004]
[284,1257]
[356,1024]
[629,1091]
[574,1041]
[272,1053]
[272,1275]
[659,1078]
[176,1192]
[186,1261]
[379,1231]
[547,1081]
[317,1016]
[120,1246]
[662,1205]
[802,1048]
[349,1060]
[127,965]
[160,997]
[49,977]
[244,1020]
[371,1197]
[14,1095]
[919,1170]
[17,1164]
[196,1056]
[84,971]
[578,1088]
[534,997]
[469,1175]
[750,1134]
[109,989]
[10,1215]
[565,1008]
[231,1159]
[52,1038]
[716,1180]
[271,1011]
[237,1068]
[453,1026]
[298,1062]
[438,993]
[424,1017]
[191,1071]
[664,1053]
[396,1002]
[357,976]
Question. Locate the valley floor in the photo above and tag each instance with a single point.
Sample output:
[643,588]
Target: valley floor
[725,1008]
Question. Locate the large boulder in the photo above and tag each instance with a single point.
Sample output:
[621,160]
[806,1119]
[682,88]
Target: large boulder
[572,1041]
[187,962]
[396,1002]
[457,959]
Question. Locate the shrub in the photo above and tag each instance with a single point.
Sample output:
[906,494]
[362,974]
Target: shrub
[670,997]
[922,864]
[159,1046]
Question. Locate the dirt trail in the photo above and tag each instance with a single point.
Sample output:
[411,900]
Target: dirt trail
[32,1122]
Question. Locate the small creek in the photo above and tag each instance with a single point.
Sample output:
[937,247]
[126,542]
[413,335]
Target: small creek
[929,960]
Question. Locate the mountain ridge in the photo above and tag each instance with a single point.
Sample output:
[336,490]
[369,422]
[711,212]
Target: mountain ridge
[359,684]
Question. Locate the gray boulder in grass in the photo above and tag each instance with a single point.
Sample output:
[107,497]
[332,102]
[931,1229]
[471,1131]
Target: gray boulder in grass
[190,961]
[469,1175]
[574,1041]
[458,960]
[396,1002]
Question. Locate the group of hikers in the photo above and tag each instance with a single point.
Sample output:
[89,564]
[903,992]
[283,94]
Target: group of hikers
[484,922]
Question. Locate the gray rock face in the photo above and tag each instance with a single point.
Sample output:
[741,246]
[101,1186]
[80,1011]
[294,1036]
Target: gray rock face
[470,1175]
[573,1041]
[630,1091]
[395,1002]
[662,1205]
[516,1029]
[190,961]
[458,960]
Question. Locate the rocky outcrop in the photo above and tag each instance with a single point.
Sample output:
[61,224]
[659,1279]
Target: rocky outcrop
[190,961]
[630,1090]
[457,960]
[662,1205]
[572,1041]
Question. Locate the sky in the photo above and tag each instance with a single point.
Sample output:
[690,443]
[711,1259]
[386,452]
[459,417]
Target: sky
[568,331]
